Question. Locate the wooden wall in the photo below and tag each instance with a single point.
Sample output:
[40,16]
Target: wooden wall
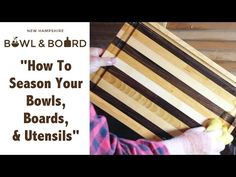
[215,40]
[102,33]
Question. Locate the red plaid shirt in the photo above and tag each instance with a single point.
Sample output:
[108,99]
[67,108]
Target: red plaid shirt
[104,143]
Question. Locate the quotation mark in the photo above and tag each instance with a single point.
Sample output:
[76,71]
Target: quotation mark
[75,132]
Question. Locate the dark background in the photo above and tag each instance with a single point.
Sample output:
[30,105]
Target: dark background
[102,33]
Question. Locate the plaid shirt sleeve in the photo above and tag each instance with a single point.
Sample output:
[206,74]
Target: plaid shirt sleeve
[104,143]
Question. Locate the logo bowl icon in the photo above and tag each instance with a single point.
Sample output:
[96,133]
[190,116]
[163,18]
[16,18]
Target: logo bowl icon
[15,43]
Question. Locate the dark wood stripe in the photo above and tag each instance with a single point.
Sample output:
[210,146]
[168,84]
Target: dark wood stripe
[186,58]
[119,43]
[228,117]
[153,97]
[174,81]
[130,112]
[117,127]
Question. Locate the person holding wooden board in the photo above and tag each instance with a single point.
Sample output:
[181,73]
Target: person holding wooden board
[102,142]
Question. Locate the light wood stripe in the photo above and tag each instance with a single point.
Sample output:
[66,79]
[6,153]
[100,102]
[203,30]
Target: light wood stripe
[201,58]
[170,78]
[186,58]
[165,84]
[181,70]
[160,91]
[203,100]
[97,76]
[144,112]
[155,77]
[130,112]
[141,104]
[125,32]
[153,97]
[123,118]
[220,91]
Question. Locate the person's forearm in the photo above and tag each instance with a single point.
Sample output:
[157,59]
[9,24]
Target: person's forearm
[138,147]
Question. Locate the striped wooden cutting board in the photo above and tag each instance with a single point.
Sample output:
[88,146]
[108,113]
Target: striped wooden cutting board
[160,85]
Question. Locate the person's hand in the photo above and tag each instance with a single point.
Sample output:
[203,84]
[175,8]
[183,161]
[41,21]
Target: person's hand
[96,61]
[196,141]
